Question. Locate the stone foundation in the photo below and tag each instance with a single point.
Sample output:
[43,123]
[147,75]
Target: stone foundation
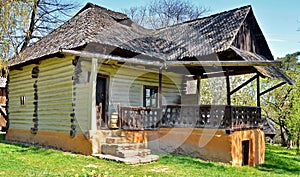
[78,144]
[209,144]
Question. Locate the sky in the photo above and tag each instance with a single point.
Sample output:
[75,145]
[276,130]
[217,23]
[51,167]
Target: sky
[279,20]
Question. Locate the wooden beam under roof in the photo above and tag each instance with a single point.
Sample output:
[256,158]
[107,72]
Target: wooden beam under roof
[165,63]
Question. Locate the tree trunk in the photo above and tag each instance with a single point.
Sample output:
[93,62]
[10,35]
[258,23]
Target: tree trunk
[290,144]
[298,143]
[31,26]
[282,135]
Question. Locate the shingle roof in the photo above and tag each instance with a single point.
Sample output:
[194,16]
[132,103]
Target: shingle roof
[97,25]
[92,24]
[269,127]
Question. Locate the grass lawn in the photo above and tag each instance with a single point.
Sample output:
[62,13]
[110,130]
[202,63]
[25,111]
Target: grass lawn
[20,160]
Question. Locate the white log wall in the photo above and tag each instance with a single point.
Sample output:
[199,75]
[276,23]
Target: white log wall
[21,84]
[57,92]
[55,95]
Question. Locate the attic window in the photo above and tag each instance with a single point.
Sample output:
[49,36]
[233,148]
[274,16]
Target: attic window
[35,72]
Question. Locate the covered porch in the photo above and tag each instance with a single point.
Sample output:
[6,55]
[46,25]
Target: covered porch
[189,112]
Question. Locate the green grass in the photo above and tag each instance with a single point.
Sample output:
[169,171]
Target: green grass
[20,160]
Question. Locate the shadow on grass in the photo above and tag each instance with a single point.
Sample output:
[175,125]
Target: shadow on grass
[190,161]
[280,161]
[23,148]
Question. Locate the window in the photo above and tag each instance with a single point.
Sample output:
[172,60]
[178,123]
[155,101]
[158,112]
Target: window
[22,100]
[150,96]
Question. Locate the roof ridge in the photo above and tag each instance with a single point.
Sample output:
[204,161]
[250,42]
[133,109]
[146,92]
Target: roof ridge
[106,10]
[210,16]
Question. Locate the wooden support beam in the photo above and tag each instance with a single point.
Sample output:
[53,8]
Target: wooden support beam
[272,88]
[224,63]
[243,85]
[258,90]
[198,90]
[160,88]
[165,63]
[92,94]
[228,89]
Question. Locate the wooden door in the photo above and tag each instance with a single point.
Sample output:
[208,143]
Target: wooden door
[245,152]
[101,97]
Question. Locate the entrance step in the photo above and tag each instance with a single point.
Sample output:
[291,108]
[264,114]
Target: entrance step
[122,147]
[132,153]
[116,140]
[130,160]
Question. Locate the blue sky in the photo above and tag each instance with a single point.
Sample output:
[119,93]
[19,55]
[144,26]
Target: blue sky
[278,19]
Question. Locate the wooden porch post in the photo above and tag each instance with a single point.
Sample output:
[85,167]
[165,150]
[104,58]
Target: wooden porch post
[258,90]
[92,100]
[198,90]
[160,88]
[228,89]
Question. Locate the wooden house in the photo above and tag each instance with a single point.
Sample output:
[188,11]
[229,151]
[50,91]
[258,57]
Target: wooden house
[101,84]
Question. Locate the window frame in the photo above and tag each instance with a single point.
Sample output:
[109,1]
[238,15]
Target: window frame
[155,88]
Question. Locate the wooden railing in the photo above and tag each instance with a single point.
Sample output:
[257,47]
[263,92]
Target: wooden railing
[140,118]
[245,117]
[203,116]
[195,116]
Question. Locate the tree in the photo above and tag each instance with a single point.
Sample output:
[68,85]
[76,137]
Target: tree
[282,105]
[24,22]
[13,19]
[162,13]
[45,16]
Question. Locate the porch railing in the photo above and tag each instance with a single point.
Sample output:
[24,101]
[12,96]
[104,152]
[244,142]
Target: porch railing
[203,116]
[140,118]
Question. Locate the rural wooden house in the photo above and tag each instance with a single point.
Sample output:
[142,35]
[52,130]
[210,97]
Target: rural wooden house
[101,84]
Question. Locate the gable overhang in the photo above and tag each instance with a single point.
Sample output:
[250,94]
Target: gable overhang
[271,70]
[250,60]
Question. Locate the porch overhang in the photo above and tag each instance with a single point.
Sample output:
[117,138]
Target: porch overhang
[168,63]
[265,67]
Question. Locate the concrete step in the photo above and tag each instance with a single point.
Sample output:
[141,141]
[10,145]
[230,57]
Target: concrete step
[129,160]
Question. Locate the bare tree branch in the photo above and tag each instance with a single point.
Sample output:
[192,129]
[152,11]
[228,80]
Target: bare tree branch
[161,13]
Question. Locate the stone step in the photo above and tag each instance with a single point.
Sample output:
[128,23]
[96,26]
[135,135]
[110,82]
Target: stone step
[116,140]
[129,160]
[133,153]
[113,148]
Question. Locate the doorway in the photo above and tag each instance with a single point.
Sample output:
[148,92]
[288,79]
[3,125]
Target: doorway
[245,152]
[102,101]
